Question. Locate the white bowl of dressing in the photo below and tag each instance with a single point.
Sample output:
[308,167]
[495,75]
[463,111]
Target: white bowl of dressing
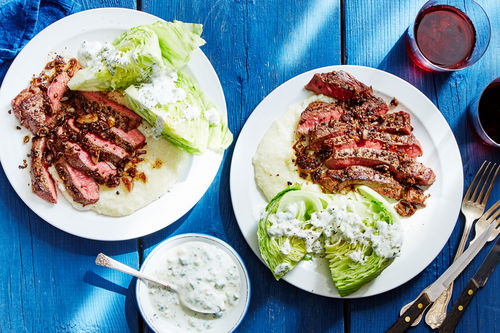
[206,267]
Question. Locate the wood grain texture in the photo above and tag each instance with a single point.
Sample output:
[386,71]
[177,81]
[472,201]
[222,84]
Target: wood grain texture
[49,280]
[255,46]
[375,38]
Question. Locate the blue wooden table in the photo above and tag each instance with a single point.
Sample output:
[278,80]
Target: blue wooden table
[48,280]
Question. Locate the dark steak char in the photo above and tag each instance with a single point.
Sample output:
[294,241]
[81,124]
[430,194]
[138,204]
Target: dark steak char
[97,146]
[408,171]
[372,106]
[31,108]
[130,140]
[104,149]
[100,104]
[41,181]
[337,84]
[82,188]
[56,90]
[401,144]
[330,130]
[338,180]
[396,122]
[81,160]
[361,144]
[317,113]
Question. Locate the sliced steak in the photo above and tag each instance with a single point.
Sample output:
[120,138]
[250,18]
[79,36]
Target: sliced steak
[105,150]
[98,103]
[42,183]
[97,146]
[408,171]
[396,122]
[372,106]
[82,188]
[56,90]
[337,84]
[338,180]
[401,144]
[333,129]
[81,160]
[317,113]
[31,108]
[130,140]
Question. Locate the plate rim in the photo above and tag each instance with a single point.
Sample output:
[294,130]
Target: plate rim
[238,151]
[193,236]
[125,234]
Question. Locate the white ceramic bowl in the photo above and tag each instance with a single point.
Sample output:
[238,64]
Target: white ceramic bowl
[227,323]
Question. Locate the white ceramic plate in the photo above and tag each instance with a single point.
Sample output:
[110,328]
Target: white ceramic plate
[426,232]
[227,323]
[65,36]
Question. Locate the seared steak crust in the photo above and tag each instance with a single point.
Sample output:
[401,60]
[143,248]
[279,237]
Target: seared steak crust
[360,143]
[88,137]
[82,188]
[42,183]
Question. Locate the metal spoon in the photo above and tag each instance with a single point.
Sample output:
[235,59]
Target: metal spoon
[104,260]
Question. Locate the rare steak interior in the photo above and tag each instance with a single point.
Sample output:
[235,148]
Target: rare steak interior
[358,141]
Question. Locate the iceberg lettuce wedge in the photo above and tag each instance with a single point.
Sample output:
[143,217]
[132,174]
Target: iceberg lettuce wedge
[282,253]
[183,122]
[359,232]
[130,59]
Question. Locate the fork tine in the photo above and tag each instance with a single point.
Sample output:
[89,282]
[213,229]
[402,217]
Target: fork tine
[478,185]
[486,196]
[467,196]
[490,211]
[495,214]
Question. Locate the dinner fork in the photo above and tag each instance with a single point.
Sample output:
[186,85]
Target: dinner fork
[473,206]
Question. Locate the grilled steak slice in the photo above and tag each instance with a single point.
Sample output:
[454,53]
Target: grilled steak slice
[337,84]
[408,171]
[338,180]
[81,160]
[372,106]
[396,122]
[130,140]
[31,108]
[82,188]
[317,113]
[98,103]
[56,90]
[334,129]
[401,144]
[104,149]
[41,181]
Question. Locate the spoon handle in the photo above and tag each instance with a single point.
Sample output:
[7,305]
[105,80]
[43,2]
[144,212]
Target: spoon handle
[104,260]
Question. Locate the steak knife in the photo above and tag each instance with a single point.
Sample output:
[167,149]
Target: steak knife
[477,281]
[434,290]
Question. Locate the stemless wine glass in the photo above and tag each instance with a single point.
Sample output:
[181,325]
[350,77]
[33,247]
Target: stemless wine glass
[448,35]
[484,112]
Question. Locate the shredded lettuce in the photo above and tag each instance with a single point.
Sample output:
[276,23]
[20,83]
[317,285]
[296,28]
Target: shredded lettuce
[359,234]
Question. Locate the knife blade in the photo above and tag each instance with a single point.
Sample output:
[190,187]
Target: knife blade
[435,289]
[477,281]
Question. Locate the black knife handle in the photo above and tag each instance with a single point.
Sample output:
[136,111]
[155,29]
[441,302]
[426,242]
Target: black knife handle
[409,316]
[458,309]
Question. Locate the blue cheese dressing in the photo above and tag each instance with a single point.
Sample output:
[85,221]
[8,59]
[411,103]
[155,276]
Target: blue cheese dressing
[206,275]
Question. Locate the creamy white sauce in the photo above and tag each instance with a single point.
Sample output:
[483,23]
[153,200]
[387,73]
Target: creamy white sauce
[161,90]
[95,54]
[336,222]
[206,275]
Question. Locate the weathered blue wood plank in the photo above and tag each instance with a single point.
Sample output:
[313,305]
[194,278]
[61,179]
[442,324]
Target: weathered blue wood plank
[255,46]
[375,37]
[49,280]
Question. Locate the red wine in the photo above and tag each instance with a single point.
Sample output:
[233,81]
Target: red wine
[445,36]
[489,111]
